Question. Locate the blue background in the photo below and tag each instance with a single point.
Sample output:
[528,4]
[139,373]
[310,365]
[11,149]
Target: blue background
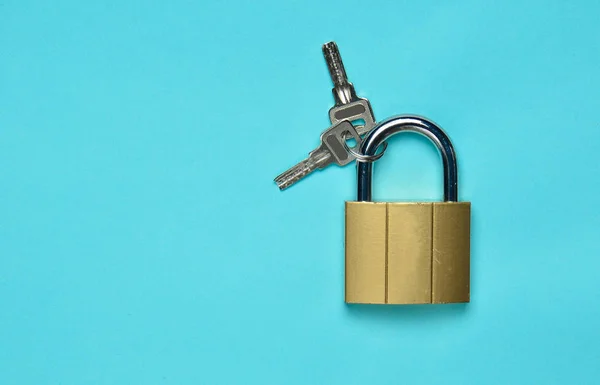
[143,240]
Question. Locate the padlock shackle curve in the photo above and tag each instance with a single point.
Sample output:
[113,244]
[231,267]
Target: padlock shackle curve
[410,123]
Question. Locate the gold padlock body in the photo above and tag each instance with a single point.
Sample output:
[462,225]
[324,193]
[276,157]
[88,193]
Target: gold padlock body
[408,253]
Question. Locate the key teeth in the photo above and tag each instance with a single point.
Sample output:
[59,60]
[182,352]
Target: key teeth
[335,64]
[293,175]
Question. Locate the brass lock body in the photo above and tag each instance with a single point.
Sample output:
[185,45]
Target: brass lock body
[408,252]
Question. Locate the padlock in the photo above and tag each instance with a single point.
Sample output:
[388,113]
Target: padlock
[407,252]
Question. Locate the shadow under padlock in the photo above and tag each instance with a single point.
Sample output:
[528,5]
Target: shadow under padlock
[408,252]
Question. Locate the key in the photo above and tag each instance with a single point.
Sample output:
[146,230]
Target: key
[333,149]
[347,106]
[348,109]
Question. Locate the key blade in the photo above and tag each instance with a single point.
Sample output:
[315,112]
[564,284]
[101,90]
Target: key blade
[294,174]
[318,159]
[335,65]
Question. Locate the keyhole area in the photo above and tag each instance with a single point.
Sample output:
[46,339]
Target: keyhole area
[349,139]
[350,142]
[358,122]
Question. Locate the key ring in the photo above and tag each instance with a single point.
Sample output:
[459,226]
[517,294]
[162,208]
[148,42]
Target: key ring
[366,158]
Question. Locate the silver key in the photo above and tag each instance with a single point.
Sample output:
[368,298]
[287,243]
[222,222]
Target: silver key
[348,106]
[348,109]
[333,149]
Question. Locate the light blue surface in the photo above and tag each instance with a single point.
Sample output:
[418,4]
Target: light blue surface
[143,241]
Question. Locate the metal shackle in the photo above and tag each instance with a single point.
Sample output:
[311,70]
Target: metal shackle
[410,123]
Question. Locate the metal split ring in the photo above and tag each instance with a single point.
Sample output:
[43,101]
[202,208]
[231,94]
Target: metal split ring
[366,158]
